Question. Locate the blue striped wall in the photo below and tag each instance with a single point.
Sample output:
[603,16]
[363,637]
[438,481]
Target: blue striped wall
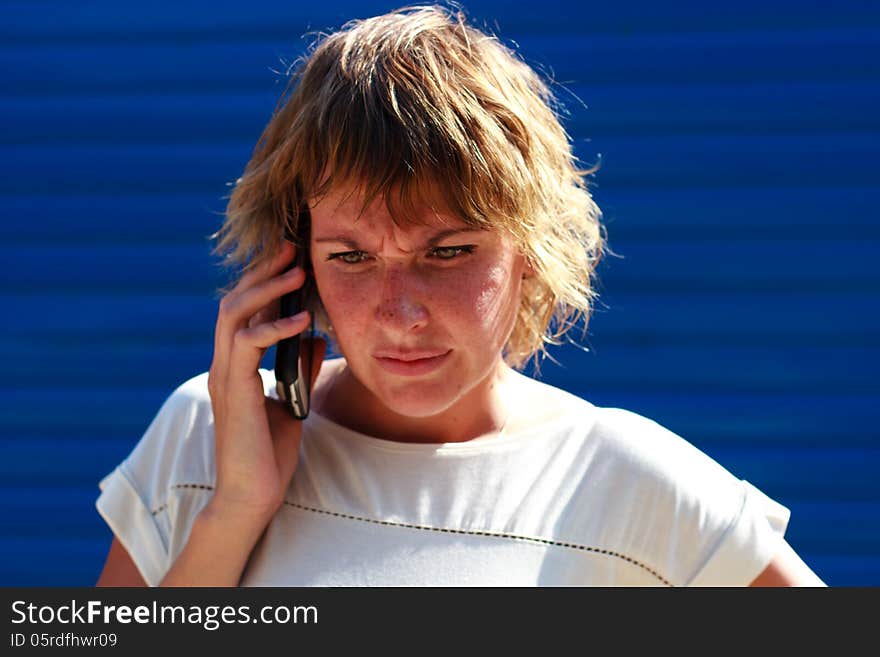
[739,179]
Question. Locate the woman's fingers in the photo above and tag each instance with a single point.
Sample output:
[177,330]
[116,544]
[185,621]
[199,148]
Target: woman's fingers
[238,309]
[249,473]
[263,336]
[232,312]
[249,344]
[271,267]
[268,313]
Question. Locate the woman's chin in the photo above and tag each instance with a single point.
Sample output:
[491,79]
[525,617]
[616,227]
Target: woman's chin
[417,402]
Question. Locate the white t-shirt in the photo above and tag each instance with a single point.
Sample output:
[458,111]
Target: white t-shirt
[582,496]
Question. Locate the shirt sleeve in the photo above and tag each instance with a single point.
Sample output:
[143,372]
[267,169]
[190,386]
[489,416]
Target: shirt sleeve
[152,498]
[749,543]
[682,512]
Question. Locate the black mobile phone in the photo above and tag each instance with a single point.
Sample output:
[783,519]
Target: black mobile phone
[293,362]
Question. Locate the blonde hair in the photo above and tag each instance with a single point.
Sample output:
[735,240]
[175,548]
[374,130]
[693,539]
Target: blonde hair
[416,103]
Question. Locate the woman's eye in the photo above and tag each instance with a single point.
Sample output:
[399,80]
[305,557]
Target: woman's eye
[437,252]
[450,252]
[348,257]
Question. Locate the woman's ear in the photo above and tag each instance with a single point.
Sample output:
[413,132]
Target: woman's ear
[528,269]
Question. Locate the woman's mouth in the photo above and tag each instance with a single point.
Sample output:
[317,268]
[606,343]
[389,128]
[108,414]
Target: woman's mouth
[412,363]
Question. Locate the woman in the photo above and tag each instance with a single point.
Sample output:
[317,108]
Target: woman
[451,237]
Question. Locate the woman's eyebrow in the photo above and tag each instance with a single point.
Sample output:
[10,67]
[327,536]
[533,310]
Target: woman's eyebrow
[351,243]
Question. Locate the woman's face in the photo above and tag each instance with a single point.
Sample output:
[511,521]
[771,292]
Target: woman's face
[421,313]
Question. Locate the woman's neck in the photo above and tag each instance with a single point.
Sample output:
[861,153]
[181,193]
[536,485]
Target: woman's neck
[340,397]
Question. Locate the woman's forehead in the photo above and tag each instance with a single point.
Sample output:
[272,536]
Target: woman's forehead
[344,206]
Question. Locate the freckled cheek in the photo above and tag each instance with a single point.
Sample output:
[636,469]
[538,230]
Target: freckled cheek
[475,300]
[490,291]
[492,295]
[343,299]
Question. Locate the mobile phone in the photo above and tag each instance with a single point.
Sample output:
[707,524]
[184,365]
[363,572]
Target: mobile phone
[293,361]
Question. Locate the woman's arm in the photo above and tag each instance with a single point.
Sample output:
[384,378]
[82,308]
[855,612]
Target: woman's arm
[218,549]
[256,440]
[214,555]
[787,569]
[119,569]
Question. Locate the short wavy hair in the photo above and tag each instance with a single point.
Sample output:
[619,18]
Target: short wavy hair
[416,103]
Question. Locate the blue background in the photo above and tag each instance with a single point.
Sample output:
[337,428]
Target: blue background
[739,159]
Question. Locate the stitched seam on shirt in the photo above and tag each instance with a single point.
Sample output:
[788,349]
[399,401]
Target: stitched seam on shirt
[194,486]
[446,530]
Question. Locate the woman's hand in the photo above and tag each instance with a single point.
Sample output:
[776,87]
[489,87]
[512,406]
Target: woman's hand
[257,440]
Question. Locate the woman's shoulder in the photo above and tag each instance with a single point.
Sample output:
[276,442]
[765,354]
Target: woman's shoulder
[192,393]
[194,388]
[647,447]
[625,444]
[639,452]
[535,405]
[179,439]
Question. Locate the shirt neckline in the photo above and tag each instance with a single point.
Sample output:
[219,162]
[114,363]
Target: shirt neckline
[506,438]
[479,443]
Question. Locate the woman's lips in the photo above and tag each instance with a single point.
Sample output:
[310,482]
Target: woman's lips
[410,366]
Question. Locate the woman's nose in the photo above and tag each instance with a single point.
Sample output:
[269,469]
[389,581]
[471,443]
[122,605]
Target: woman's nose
[401,306]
